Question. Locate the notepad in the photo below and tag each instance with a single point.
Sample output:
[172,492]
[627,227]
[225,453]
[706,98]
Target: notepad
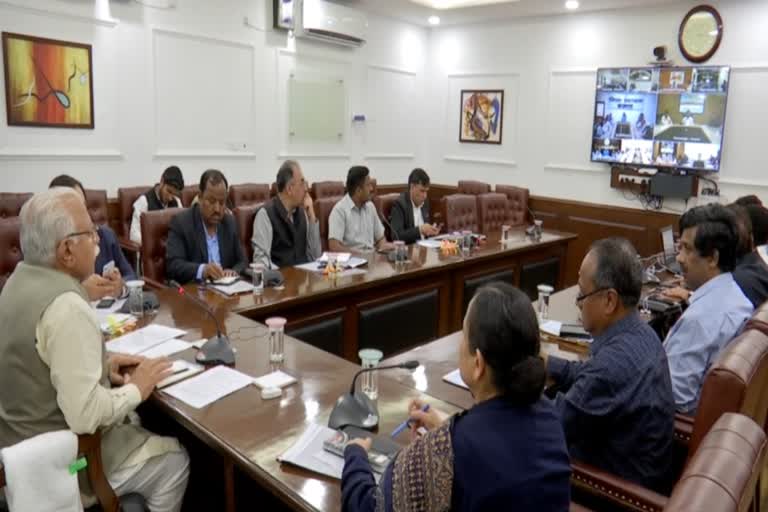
[429,244]
[341,257]
[551,327]
[226,280]
[143,339]
[236,287]
[455,378]
[210,386]
[276,379]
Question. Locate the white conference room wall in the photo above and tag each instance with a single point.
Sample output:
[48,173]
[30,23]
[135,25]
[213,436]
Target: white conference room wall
[201,87]
[546,67]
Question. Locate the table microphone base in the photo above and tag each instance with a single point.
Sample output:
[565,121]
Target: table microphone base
[356,410]
[216,350]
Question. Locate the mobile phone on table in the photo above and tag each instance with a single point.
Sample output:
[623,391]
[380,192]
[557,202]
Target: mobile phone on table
[105,303]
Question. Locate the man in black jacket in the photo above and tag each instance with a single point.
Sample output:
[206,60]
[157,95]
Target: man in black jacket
[202,240]
[409,217]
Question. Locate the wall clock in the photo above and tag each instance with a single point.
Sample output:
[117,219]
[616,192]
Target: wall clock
[700,33]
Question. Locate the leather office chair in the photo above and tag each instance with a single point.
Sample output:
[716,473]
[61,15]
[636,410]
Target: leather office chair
[273,189]
[96,202]
[125,199]
[323,208]
[10,248]
[474,188]
[11,203]
[493,211]
[460,212]
[89,446]
[154,235]
[735,383]
[188,194]
[374,187]
[518,203]
[384,207]
[321,189]
[244,217]
[248,194]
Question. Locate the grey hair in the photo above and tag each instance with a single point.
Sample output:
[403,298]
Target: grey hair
[44,223]
[618,267]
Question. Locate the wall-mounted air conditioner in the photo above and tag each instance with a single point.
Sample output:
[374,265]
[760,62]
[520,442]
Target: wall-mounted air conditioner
[331,23]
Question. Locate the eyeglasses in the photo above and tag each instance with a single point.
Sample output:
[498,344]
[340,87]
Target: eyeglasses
[580,298]
[93,233]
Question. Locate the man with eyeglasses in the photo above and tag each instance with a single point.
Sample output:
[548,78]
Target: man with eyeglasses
[202,241]
[617,407]
[112,268]
[54,372]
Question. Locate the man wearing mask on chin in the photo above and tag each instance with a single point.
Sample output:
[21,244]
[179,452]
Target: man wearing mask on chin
[202,241]
[111,268]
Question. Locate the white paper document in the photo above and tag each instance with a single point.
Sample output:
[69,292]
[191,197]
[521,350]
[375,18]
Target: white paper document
[210,386]
[551,327]
[341,257]
[429,244]
[455,378]
[226,280]
[143,339]
[181,370]
[235,288]
[276,379]
[308,452]
[167,348]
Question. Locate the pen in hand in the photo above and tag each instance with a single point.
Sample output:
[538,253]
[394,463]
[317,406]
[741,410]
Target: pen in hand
[404,425]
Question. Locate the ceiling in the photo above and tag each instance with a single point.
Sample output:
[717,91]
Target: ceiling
[415,11]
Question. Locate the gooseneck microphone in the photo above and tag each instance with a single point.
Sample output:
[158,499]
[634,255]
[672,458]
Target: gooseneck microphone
[216,350]
[355,408]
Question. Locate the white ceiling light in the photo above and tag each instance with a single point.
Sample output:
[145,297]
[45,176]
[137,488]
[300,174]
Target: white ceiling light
[433,20]
[572,4]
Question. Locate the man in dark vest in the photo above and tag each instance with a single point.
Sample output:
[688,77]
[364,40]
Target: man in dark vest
[166,194]
[286,231]
[54,372]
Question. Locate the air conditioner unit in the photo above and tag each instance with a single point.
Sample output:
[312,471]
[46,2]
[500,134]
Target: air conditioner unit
[331,23]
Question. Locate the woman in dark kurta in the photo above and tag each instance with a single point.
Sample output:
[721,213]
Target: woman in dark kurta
[507,452]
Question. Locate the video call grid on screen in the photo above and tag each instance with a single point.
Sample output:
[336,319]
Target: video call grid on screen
[660,117]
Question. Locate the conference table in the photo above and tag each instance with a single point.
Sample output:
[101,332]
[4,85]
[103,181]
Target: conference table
[245,434]
[365,308]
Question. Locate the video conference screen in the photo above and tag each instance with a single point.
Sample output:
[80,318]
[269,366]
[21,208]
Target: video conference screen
[660,117]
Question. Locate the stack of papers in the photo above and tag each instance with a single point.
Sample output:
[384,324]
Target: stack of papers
[276,379]
[341,257]
[210,386]
[551,327]
[234,288]
[226,280]
[167,348]
[455,378]
[181,370]
[143,339]
[429,243]
[308,452]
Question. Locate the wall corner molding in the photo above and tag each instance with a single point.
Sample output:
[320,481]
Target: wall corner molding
[553,166]
[60,154]
[477,160]
[160,154]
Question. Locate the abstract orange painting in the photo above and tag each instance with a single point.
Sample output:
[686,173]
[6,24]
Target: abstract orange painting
[47,82]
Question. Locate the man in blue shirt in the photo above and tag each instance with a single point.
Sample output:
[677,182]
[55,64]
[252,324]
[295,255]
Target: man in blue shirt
[718,307]
[617,407]
[104,282]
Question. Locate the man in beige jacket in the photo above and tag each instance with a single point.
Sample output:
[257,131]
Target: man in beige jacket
[54,372]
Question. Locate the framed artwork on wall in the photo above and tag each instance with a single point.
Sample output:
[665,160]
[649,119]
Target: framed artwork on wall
[482,113]
[48,83]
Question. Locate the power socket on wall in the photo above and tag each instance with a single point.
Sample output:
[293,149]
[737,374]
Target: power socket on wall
[628,179]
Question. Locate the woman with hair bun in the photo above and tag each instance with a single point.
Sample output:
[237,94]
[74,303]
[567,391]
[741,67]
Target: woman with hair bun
[507,452]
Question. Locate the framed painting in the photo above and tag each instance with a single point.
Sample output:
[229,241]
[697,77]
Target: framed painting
[48,83]
[482,115]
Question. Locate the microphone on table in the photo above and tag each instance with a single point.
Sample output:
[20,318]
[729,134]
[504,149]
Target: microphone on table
[272,277]
[391,255]
[216,350]
[533,229]
[355,408]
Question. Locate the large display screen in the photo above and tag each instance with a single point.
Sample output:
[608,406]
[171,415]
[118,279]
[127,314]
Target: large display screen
[660,117]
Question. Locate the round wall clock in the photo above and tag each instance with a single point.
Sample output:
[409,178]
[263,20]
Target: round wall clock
[700,33]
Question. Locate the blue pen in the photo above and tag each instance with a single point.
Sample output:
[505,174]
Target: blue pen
[404,425]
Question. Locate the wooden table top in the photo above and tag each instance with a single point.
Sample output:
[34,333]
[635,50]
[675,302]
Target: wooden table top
[302,286]
[254,432]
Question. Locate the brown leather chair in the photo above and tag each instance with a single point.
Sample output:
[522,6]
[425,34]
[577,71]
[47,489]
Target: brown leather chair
[89,447]
[735,383]
[273,189]
[374,187]
[11,203]
[518,203]
[722,474]
[125,199]
[323,208]
[321,189]
[96,202]
[474,188]
[244,217]
[10,248]
[188,194]
[460,212]
[154,235]
[384,206]
[493,211]
[248,194]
